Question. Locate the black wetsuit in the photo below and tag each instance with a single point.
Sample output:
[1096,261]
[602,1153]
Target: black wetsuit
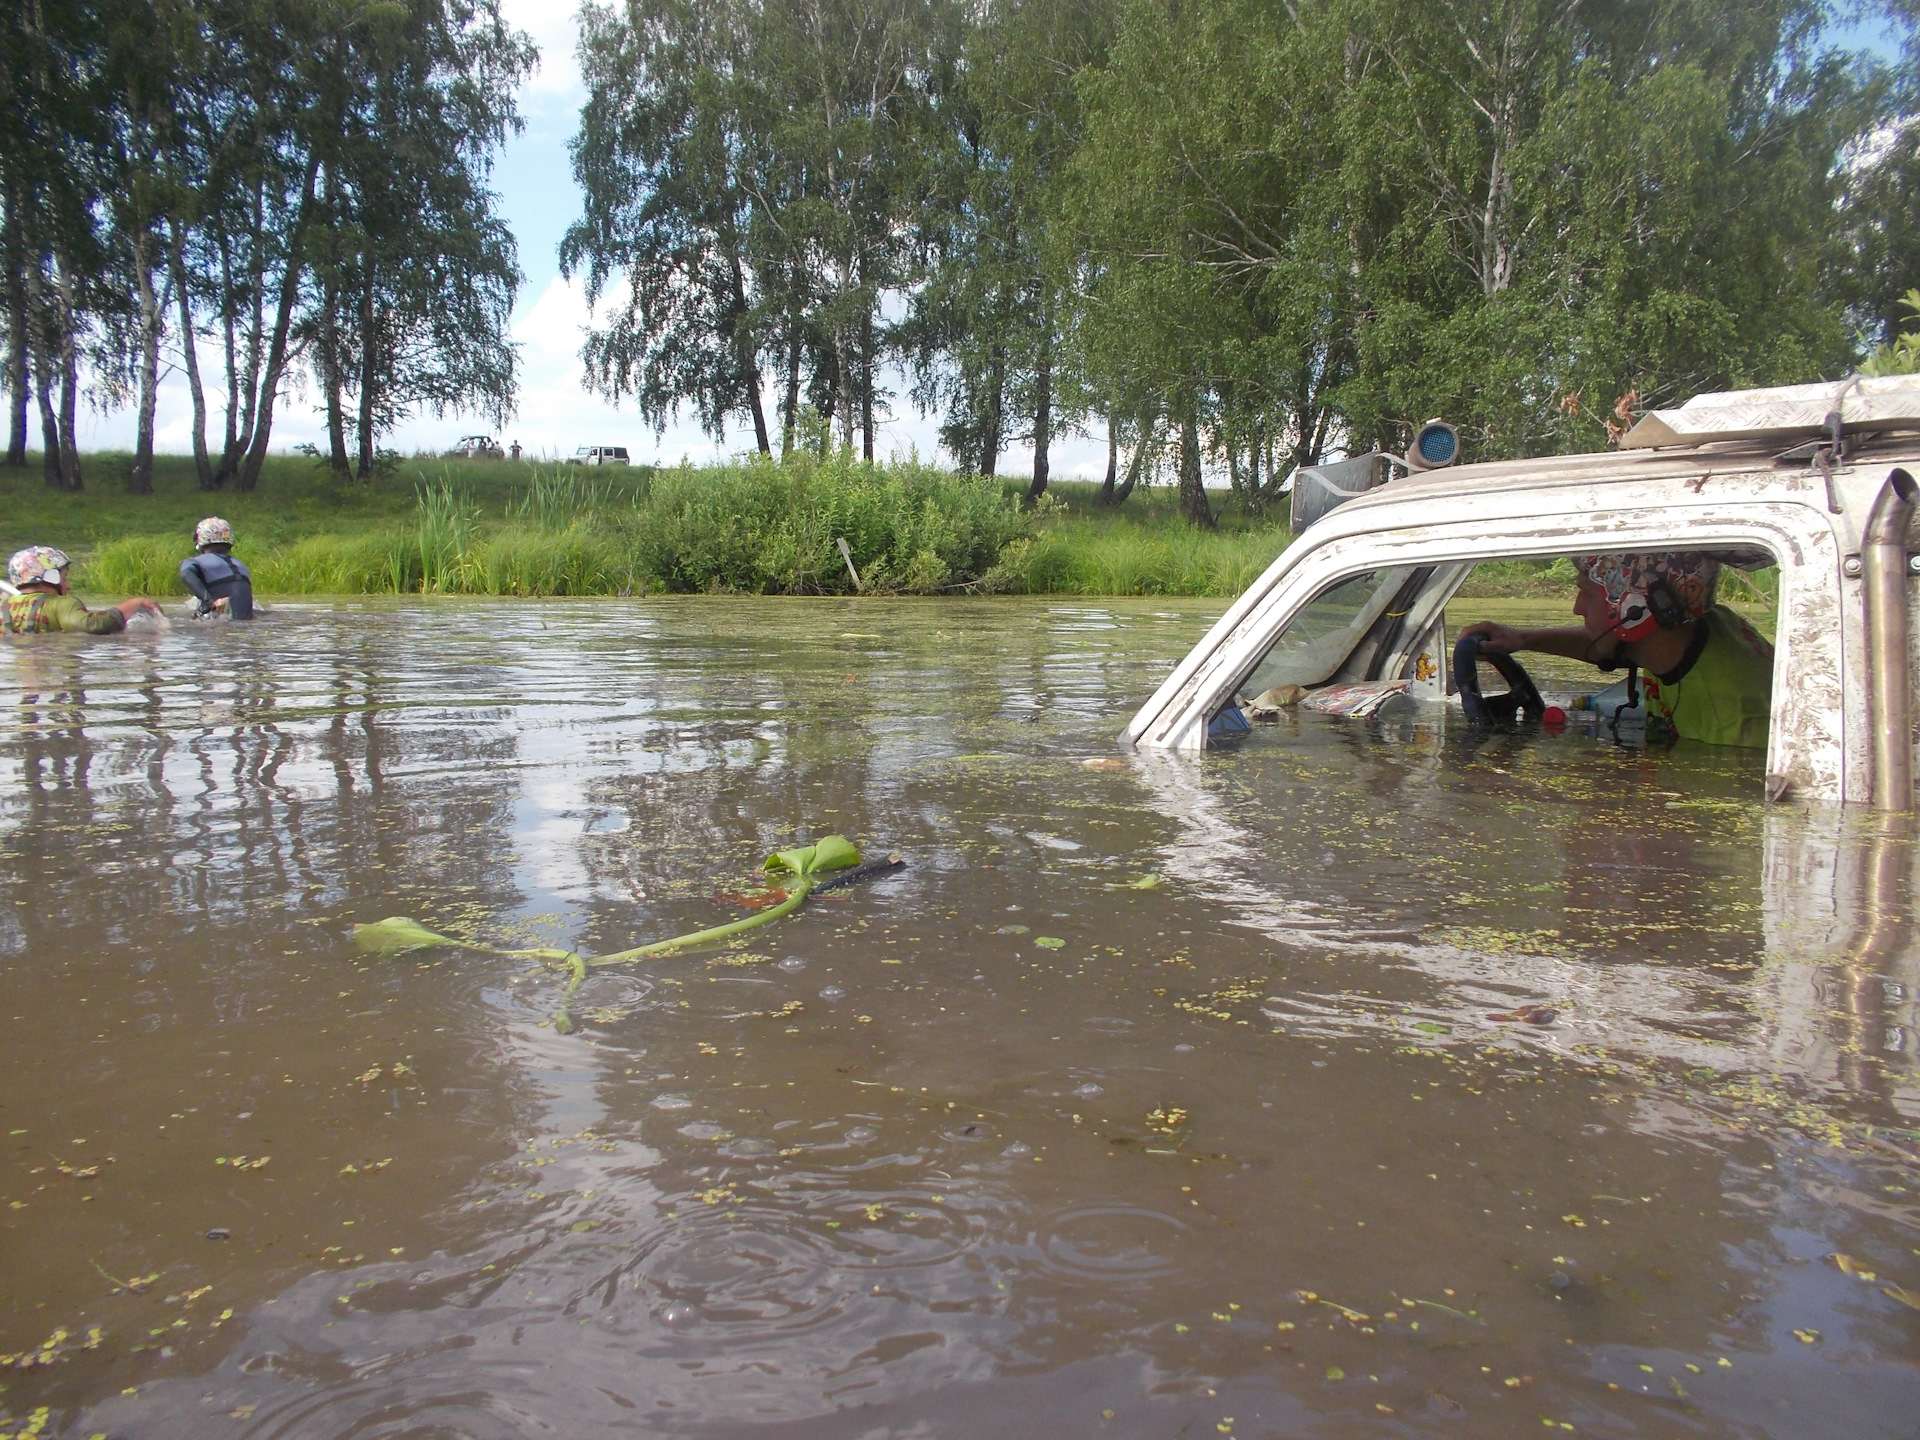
[212,576]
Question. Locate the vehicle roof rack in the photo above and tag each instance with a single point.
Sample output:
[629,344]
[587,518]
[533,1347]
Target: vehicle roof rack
[1885,402]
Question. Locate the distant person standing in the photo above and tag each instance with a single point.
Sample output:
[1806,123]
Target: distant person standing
[40,602]
[515,452]
[219,584]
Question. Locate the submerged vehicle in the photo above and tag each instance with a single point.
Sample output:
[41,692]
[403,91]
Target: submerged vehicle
[1817,479]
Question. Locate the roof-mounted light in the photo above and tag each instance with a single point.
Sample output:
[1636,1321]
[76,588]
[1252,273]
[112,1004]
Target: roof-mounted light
[1436,445]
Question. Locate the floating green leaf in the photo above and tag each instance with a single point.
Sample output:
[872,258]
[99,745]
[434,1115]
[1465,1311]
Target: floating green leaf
[836,852]
[1049,942]
[396,935]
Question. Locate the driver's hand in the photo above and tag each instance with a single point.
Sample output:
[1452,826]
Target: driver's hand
[1494,636]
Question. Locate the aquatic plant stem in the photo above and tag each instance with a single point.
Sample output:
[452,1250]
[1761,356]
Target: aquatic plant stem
[577,965]
[795,898]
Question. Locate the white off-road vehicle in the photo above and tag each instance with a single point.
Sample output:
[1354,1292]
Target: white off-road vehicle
[1818,478]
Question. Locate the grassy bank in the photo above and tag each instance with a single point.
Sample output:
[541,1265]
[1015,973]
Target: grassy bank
[500,528]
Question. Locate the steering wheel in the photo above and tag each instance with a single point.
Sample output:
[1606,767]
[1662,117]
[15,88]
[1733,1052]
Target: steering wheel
[1521,697]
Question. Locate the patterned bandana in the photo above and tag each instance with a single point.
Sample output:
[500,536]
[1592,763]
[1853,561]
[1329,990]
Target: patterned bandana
[36,565]
[1686,575]
[213,531]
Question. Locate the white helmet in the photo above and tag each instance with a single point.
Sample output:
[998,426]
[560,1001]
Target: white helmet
[213,531]
[37,565]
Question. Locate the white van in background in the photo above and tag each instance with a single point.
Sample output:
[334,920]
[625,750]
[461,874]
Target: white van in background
[600,455]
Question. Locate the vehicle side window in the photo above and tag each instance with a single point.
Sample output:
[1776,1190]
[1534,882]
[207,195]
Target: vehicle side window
[1321,637]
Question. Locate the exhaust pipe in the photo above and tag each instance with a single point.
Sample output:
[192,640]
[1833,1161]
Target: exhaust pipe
[1883,564]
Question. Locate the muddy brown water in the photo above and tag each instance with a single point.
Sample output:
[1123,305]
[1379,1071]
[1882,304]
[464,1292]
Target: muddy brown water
[1155,1097]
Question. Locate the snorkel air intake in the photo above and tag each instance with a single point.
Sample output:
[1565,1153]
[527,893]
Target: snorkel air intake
[1883,569]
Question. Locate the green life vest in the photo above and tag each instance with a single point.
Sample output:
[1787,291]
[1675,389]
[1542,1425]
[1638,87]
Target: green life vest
[1725,697]
[37,613]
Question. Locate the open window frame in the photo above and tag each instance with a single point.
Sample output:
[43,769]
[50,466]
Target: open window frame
[1817,733]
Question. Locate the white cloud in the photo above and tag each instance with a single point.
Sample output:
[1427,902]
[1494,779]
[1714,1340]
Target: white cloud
[556,30]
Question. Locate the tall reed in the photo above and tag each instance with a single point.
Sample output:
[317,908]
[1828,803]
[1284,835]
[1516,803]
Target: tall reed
[560,497]
[445,522]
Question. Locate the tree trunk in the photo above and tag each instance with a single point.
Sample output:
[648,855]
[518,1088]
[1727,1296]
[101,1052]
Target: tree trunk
[190,358]
[153,307]
[1043,415]
[843,385]
[19,379]
[240,441]
[1113,465]
[250,384]
[332,380]
[993,422]
[369,375]
[69,361]
[843,360]
[866,388]
[1243,471]
[792,402]
[70,478]
[747,354]
[43,393]
[230,442]
[337,460]
[1193,492]
[1137,466]
[282,324]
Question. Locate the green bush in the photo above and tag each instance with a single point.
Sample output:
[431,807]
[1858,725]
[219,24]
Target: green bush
[523,561]
[375,563]
[767,527]
[134,565]
[1115,560]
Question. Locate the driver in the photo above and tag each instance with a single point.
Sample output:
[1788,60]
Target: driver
[1705,670]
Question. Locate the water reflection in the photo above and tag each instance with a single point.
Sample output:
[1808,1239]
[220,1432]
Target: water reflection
[1152,1096]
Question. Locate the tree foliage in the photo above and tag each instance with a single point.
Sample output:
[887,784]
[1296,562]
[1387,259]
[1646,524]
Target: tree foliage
[1367,212]
[305,180]
[1249,231]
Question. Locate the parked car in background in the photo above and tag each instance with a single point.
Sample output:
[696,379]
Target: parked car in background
[479,447]
[600,455]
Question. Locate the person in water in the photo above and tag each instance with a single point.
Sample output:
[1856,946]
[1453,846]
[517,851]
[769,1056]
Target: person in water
[220,584]
[40,601]
[1704,670]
